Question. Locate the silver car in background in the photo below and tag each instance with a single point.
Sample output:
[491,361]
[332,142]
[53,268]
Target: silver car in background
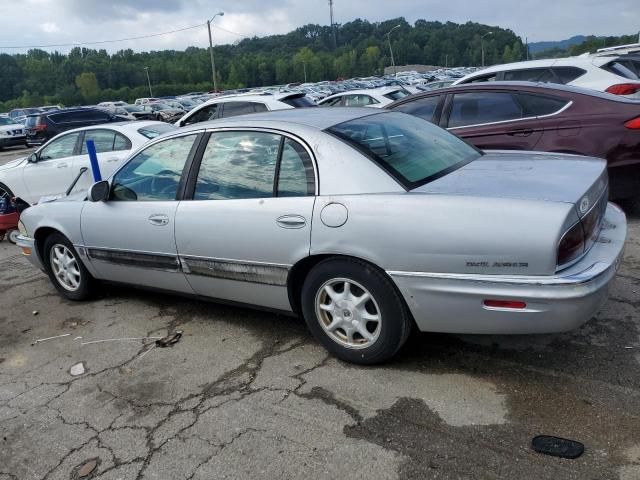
[365,222]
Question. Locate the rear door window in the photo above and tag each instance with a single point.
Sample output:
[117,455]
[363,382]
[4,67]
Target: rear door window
[567,74]
[540,105]
[334,102]
[529,75]
[477,108]
[105,141]
[359,100]
[424,108]
[233,109]
[491,77]
[299,101]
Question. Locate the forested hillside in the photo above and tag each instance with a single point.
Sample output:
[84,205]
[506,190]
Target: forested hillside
[590,44]
[86,76]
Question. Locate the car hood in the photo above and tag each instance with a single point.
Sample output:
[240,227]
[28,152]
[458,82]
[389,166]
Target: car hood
[12,127]
[525,175]
[13,164]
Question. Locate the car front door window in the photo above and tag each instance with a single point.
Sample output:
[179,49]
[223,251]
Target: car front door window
[60,148]
[206,113]
[154,174]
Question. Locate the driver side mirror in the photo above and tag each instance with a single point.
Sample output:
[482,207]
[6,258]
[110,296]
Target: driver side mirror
[99,192]
[33,158]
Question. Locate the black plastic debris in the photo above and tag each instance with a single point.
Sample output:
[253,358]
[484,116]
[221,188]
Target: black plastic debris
[169,340]
[557,447]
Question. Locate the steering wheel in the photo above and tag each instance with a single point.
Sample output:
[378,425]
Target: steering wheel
[164,181]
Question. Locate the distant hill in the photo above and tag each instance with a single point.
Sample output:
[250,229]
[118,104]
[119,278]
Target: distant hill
[536,47]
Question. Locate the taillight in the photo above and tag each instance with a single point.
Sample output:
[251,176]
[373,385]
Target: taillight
[633,124]
[624,88]
[40,127]
[512,304]
[571,244]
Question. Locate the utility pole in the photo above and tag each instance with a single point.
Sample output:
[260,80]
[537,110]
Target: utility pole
[213,63]
[333,24]
[526,42]
[446,61]
[393,63]
[304,66]
[149,81]
[482,45]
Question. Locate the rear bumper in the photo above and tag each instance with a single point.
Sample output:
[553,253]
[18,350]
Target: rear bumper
[454,303]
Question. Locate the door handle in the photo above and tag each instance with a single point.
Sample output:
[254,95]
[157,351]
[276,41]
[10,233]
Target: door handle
[63,165]
[291,221]
[113,159]
[525,132]
[159,220]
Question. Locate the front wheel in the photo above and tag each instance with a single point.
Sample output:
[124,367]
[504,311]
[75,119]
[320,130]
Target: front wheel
[66,271]
[355,311]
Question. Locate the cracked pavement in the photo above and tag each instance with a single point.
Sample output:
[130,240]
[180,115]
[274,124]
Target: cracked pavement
[248,394]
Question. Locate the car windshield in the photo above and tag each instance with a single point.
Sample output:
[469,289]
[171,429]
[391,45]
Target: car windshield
[396,94]
[133,108]
[6,121]
[159,106]
[152,131]
[412,150]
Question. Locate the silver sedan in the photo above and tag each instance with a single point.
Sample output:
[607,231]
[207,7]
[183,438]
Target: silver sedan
[366,223]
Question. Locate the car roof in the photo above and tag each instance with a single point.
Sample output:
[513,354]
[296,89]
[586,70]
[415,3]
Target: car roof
[252,97]
[124,127]
[318,118]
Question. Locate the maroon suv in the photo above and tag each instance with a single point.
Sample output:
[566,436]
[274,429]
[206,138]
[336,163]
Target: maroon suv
[543,117]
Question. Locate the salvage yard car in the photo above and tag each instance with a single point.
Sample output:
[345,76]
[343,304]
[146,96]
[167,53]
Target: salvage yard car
[366,222]
[51,169]
[11,133]
[543,117]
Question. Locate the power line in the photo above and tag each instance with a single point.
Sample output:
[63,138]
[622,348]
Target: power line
[77,44]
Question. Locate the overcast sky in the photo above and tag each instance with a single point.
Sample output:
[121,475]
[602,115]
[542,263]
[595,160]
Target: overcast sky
[43,22]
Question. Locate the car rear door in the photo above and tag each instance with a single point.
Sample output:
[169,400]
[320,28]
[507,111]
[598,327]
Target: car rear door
[130,238]
[250,218]
[491,119]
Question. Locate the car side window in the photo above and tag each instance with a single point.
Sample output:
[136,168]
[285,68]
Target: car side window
[424,108]
[238,165]
[530,75]
[62,147]
[483,107]
[295,176]
[206,113]
[334,102]
[233,109]
[483,78]
[538,105]
[153,174]
[105,141]
[359,100]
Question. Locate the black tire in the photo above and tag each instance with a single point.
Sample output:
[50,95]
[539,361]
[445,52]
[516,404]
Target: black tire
[86,281]
[394,327]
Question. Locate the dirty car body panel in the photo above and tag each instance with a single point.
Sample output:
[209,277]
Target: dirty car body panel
[231,209]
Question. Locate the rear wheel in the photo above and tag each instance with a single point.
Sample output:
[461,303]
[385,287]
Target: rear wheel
[355,311]
[65,269]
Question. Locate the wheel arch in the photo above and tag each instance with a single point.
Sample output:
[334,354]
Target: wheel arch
[298,273]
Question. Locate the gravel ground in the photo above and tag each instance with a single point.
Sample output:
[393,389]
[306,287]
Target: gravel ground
[248,394]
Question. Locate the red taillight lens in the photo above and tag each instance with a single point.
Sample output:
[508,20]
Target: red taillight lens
[633,124]
[514,304]
[40,128]
[624,88]
[571,245]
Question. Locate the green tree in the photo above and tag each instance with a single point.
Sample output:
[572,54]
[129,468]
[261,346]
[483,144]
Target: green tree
[87,83]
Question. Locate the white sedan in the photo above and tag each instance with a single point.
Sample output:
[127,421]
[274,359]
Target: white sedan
[372,97]
[53,167]
[11,133]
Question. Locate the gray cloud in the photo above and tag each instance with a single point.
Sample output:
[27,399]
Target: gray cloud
[37,22]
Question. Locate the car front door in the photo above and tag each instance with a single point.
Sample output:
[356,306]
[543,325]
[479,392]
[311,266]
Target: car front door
[112,149]
[52,173]
[249,219]
[491,120]
[130,237]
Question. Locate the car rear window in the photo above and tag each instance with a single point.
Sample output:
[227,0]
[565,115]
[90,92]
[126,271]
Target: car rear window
[410,149]
[31,121]
[152,131]
[568,74]
[299,101]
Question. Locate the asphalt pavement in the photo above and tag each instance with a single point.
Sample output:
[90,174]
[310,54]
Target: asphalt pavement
[247,394]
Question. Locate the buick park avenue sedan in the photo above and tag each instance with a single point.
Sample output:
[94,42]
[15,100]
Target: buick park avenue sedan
[364,222]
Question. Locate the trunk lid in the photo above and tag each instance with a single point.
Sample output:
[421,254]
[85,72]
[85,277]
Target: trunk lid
[529,176]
